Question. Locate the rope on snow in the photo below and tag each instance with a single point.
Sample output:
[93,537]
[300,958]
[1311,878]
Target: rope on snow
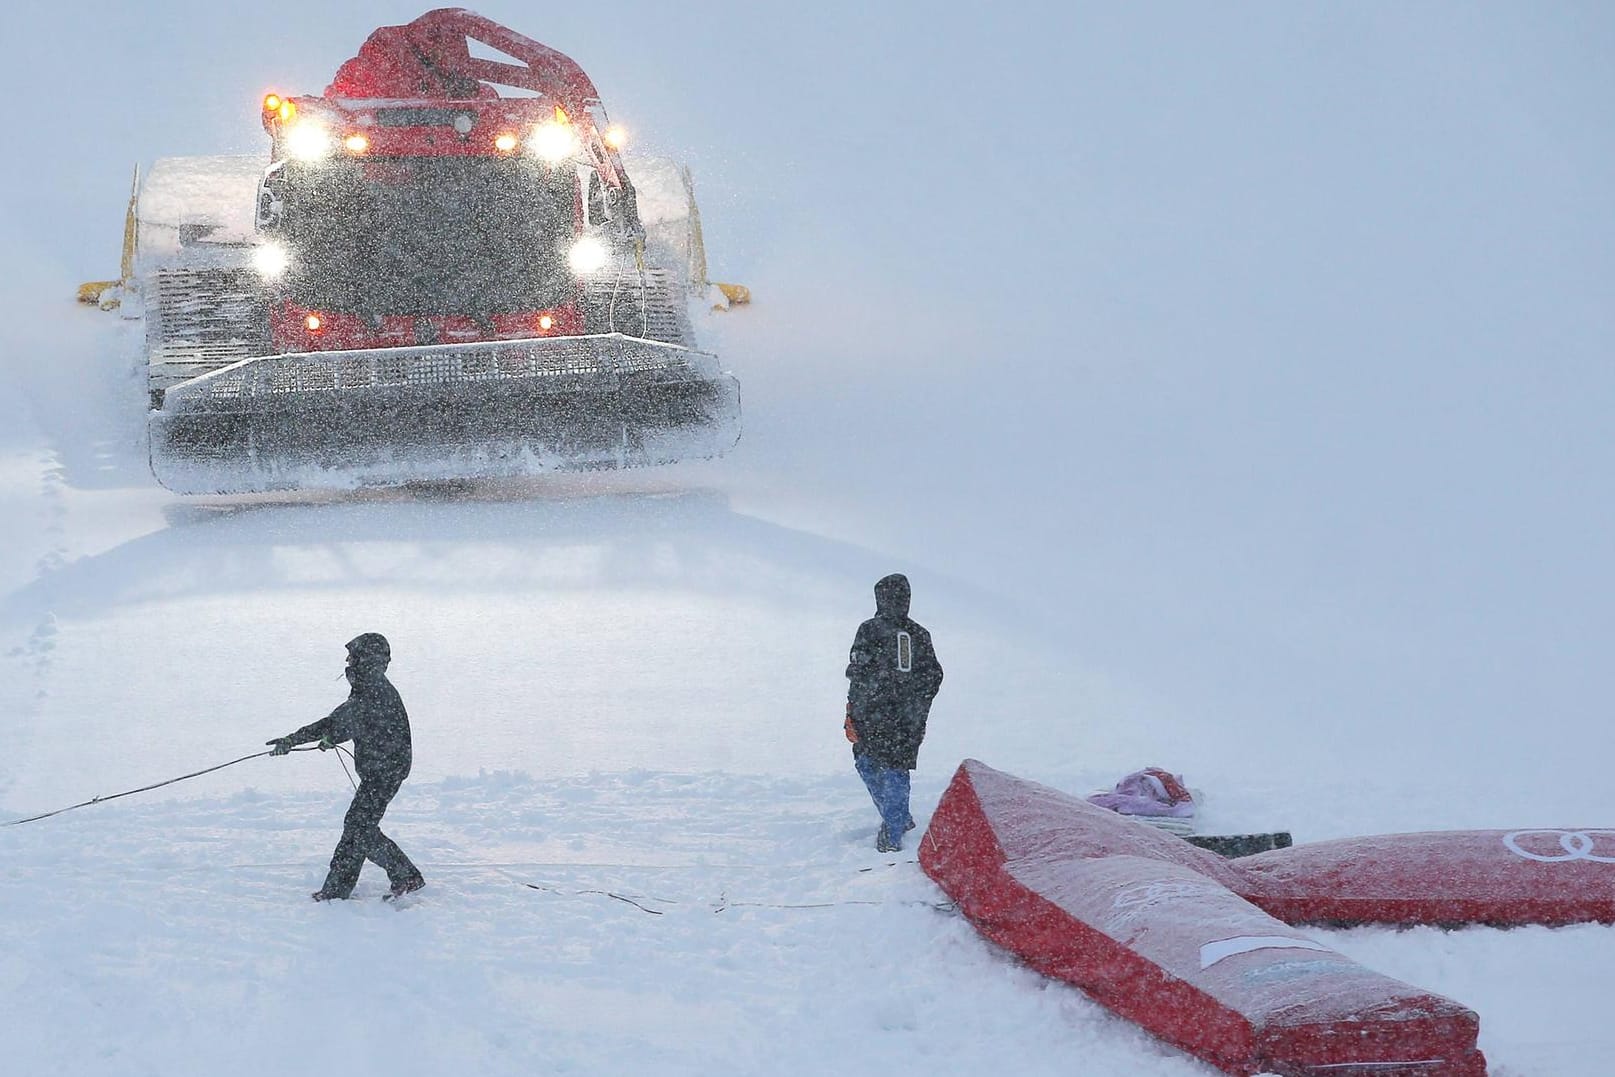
[723,903]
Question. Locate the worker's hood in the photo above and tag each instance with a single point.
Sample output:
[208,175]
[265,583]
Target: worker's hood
[892,595]
[368,656]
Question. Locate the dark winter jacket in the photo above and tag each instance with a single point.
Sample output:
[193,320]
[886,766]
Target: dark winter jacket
[373,717]
[894,676]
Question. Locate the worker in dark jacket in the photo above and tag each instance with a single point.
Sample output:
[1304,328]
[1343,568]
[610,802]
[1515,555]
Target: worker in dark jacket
[374,719]
[893,675]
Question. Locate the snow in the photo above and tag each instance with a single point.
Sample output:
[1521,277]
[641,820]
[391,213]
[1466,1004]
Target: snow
[1234,391]
[215,197]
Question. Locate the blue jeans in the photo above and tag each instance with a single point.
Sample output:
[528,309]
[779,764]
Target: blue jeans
[888,788]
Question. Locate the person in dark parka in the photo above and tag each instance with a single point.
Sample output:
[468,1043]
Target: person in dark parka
[894,675]
[373,717]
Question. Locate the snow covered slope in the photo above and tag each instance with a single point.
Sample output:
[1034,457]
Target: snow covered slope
[1235,392]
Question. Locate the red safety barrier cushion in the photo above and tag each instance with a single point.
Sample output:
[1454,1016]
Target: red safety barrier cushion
[1499,877]
[1149,926]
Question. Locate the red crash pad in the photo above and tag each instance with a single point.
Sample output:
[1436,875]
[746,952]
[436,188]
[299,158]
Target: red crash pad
[1151,927]
[1501,877]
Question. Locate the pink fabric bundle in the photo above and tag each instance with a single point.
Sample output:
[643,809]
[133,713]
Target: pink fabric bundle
[1151,791]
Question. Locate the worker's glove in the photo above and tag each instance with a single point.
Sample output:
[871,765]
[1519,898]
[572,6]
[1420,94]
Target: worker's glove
[326,744]
[280,746]
[847,727]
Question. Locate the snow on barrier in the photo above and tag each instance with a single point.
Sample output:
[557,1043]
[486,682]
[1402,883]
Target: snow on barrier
[1152,927]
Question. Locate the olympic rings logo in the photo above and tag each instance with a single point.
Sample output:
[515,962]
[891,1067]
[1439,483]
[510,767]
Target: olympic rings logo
[1576,845]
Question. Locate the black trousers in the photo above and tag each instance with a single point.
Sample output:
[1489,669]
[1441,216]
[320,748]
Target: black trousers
[363,840]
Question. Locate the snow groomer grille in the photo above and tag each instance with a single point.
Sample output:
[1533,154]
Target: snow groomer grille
[561,365]
[201,320]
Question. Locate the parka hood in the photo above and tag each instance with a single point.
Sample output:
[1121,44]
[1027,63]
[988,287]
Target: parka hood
[369,654]
[892,595]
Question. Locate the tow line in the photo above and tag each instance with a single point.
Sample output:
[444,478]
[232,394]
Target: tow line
[154,785]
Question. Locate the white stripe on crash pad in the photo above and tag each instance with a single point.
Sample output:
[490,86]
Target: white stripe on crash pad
[1213,952]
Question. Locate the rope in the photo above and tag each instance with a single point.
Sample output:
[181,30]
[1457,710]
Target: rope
[723,903]
[146,788]
[339,753]
[604,893]
[940,906]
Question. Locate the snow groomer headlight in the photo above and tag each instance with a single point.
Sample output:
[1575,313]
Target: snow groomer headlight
[553,142]
[270,259]
[309,140]
[587,255]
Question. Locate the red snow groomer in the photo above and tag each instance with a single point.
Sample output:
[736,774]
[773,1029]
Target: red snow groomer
[430,281]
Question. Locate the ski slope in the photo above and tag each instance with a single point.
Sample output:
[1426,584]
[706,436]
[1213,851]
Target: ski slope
[1234,391]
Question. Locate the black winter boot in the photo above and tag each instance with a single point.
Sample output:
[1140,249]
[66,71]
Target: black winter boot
[405,886]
